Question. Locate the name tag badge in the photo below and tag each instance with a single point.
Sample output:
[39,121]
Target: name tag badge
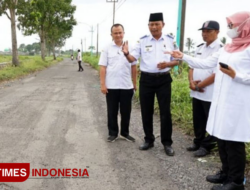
[148,48]
[199,53]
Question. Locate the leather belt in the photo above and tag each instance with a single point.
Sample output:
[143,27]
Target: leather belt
[156,74]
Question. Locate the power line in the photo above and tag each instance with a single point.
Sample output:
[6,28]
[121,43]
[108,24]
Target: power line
[119,5]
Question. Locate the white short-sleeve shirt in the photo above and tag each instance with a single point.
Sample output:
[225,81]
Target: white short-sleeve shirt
[203,51]
[118,71]
[79,56]
[152,53]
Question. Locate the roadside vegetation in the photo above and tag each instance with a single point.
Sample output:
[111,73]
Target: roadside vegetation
[28,64]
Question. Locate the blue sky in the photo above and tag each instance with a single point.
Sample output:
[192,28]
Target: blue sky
[134,14]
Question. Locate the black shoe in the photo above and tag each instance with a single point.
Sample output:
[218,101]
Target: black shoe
[229,186]
[112,138]
[193,147]
[128,138]
[169,150]
[219,177]
[146,146]
[201,152]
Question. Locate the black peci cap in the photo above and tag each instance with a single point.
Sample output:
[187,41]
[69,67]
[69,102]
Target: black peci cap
[210,25]
[155,17]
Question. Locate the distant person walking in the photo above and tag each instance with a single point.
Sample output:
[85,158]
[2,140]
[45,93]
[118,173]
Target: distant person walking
[79,60]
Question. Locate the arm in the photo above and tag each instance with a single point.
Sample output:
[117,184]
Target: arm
[103,63]
[125,50]
[102,79]
[209,80]
[190,78]
[165,64]
[207,63]
[242,78]
[134,76]
[129,57]
[237,77]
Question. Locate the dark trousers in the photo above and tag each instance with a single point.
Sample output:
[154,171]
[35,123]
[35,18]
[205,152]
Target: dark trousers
[161,87]
[119,98]
[233,158]
[200,117]
[80,66]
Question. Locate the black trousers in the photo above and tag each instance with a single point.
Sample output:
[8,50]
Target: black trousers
[80,66]
[119,98]
[200,117]
[161,87]
[233,158]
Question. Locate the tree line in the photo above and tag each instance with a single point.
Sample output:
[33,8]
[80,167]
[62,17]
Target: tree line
[52,20]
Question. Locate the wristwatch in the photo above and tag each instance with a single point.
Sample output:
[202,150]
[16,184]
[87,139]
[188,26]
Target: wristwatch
[197,88]
[126,54]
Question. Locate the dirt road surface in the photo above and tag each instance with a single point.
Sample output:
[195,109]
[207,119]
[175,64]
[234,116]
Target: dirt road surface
[57,119]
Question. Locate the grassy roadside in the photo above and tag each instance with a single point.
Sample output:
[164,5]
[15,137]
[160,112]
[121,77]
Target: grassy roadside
[5,58]
[181,105]
[28,64]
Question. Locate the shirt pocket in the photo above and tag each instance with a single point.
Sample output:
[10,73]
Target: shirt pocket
[166,57]
[113,59]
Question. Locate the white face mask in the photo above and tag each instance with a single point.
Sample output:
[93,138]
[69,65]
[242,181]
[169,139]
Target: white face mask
[233,33]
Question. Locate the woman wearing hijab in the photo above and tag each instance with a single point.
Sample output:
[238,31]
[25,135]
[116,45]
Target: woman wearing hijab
[229,116]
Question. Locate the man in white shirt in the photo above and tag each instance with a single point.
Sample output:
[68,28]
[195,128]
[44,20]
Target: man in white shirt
[155,80]
[201,85]
[116,75]
[79,59]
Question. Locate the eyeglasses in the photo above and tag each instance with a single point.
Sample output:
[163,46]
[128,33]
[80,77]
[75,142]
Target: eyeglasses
[230,25]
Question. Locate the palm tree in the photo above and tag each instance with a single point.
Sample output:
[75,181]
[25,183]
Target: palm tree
[190,44]
[223,40]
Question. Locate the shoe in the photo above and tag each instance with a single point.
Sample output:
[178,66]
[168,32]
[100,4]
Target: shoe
[193,147]
[112,138]
[146,146]
[219,177]
[229,186]
[128,138]
[201,152]
[169,150]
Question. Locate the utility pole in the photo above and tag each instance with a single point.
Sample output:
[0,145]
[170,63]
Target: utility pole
[181,24]
[181,27]
[85,44]
[91,50]
[113,1]
[97,41]
[81,45]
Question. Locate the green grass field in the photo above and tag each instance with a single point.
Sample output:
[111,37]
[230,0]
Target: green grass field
[28,64]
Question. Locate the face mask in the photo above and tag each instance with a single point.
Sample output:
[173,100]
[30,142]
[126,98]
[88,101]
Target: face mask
[232,33]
